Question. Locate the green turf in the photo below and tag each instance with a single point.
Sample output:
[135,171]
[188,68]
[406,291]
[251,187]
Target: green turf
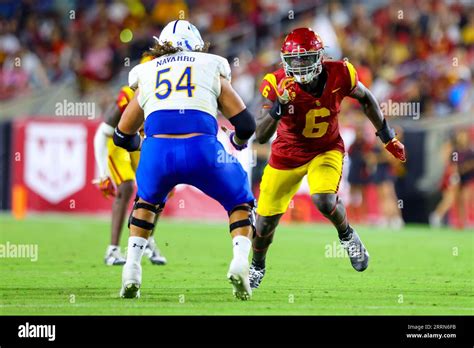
[414,271]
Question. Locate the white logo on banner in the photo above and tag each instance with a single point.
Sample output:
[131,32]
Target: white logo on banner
[55,159]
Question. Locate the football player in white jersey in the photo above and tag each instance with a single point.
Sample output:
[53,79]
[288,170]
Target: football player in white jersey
[117,169]
[179,95]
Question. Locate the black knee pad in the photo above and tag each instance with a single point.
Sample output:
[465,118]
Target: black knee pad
[325,202]
[146,225]
[250,221]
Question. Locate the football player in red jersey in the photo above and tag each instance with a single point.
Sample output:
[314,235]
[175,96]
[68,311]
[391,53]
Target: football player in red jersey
[301,103]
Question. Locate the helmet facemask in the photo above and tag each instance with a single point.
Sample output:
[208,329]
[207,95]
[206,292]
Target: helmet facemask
[303,66]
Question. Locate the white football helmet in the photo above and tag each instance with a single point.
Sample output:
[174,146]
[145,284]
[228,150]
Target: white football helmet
[181,34]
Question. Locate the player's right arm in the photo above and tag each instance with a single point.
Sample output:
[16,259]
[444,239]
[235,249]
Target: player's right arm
[126,133]
[104,132]
[273,100]
[266,124]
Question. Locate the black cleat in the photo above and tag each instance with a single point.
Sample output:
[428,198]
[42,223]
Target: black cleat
[357,252]
[256,276]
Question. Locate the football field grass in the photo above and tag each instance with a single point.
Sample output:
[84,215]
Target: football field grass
[414,271]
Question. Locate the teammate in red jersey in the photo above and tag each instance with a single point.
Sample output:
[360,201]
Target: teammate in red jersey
[302,103]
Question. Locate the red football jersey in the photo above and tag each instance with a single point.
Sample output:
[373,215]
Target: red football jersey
[125,95]
[309,125]
[123,98]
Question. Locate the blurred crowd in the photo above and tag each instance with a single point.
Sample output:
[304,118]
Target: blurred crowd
[416,51]
[421,51]
[46,42]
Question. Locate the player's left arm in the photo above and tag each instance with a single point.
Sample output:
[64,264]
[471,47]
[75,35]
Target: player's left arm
[126,133]
[234,109]
[373,112]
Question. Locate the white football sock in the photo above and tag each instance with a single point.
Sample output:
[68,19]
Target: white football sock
[151,242]
[136,248]
[242,247]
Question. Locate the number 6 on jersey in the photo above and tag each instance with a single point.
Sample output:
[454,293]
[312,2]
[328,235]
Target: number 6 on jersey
[315,129]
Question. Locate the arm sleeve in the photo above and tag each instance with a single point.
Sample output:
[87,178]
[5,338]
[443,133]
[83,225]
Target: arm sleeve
[268,87]
[244,124]
[103,132]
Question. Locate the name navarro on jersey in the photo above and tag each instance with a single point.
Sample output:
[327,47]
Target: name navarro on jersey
[180,58]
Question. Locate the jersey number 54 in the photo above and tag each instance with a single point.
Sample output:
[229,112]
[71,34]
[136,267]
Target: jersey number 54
[164,87]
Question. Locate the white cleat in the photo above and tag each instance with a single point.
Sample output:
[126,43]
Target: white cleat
[435,220]
[131,281]
[113,257]
[153,253]
[238,276]
[397,223]
[156,258]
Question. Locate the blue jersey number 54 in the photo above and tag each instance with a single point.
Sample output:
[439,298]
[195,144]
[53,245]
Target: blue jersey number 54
[184,83]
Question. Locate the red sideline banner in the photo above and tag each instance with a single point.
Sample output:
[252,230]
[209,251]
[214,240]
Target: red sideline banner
[54,165]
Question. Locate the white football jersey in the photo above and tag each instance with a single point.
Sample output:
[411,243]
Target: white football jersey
[180,81]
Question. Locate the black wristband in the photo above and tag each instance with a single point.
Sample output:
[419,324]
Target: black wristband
[385,133]
[130,142]
[276,112]
[244,124]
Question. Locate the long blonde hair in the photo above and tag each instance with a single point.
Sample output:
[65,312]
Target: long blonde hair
[159,50]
